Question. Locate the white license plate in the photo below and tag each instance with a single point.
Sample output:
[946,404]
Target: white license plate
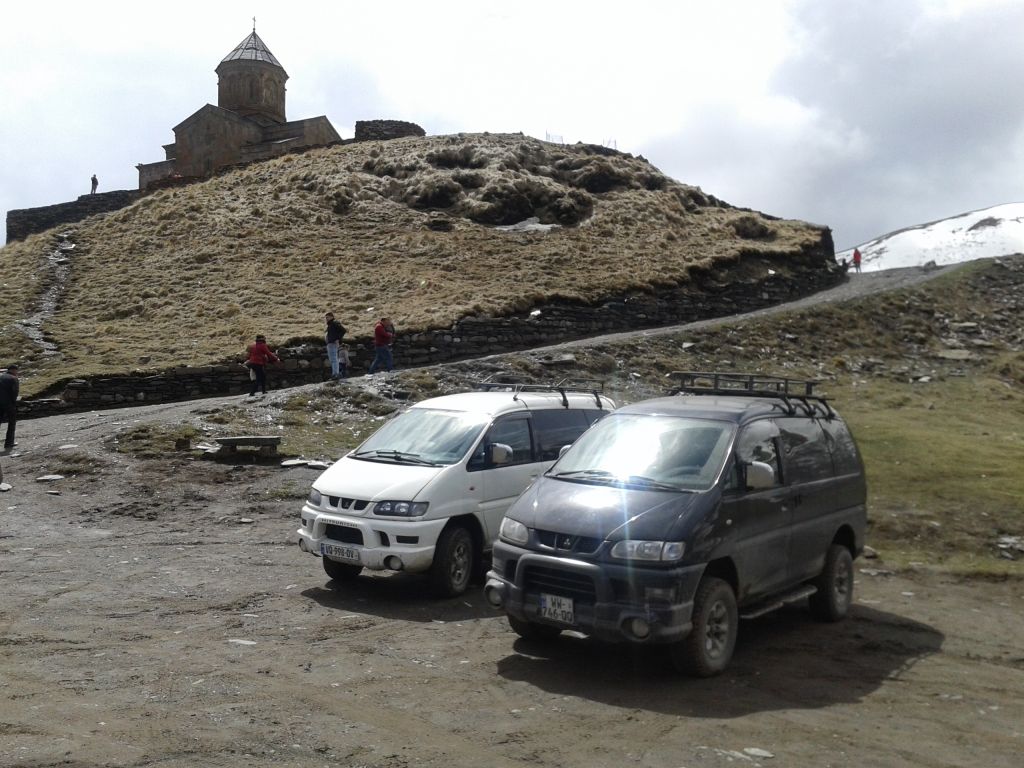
[351,554]
[557,608]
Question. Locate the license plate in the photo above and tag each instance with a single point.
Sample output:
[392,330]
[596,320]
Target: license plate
[351,554]
[557,608]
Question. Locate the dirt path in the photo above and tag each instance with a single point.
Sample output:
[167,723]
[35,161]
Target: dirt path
[159,613]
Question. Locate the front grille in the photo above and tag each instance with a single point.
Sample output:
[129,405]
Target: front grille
[343,533]
[555,581]
[340,502]
[567,543]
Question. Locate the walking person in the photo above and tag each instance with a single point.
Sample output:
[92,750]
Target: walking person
[95,183]
[259,356]
[383,338]
[334,335]
[9,386]
[856,260]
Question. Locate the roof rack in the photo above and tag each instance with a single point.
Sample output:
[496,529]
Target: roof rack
[792,392]
[563,387]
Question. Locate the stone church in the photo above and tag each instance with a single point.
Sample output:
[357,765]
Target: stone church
[247,124]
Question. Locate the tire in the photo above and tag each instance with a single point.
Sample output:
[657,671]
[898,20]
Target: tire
[340,571]
[530,631]
[454,559]
[835,586]
[707,650]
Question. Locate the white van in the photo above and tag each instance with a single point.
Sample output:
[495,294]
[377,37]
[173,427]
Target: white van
[427,491]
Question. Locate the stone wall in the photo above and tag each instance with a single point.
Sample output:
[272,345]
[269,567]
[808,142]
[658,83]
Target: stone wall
[27,221]
[756,282]
[382,130]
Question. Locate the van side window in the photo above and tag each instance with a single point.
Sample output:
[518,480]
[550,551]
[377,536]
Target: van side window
[555,428]
[841,445]
[513,432]
[804,453]
[757,442]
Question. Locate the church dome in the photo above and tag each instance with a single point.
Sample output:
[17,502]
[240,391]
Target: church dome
[251,81]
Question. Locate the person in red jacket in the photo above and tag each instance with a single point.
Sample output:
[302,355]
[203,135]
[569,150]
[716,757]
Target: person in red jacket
[259,355]
[856,260]
[383,338]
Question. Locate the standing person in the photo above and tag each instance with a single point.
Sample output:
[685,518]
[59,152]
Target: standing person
[856,260]
[259,356]
[9,403]
[383,338]
[95,183]
[334,335]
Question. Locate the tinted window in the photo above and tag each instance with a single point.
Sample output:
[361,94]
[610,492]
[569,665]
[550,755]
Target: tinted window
[594,414]
[757,442]
[515,433]
[840,443]
[805,455]
[555,428]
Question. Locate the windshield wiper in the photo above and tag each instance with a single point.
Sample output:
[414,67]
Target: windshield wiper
[408,458]
[590,474]
[603,475]
[650,482]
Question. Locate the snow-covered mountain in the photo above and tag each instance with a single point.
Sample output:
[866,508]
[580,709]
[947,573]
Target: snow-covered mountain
[995,231]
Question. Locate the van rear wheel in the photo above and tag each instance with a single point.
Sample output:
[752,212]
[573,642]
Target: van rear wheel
[454,557]
[835,586]
[340,571]
[707,650]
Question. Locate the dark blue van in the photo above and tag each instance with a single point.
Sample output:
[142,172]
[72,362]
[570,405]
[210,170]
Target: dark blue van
[671,518]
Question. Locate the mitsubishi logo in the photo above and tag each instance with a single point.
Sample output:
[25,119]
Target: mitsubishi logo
[565,541]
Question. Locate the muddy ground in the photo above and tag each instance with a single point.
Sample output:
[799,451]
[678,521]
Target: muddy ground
[158,612]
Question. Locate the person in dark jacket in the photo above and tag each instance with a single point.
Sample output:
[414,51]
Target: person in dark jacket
[259,355]
[9,403]
[335,333]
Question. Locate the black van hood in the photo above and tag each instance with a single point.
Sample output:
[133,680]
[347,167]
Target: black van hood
[605,511]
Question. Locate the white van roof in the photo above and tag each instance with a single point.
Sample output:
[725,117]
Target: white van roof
[497,403]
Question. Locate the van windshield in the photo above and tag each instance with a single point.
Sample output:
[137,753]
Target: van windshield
[669,453]
[423,436]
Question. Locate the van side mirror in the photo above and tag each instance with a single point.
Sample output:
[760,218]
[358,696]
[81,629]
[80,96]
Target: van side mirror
[760,476]
[563,449]
[501,454]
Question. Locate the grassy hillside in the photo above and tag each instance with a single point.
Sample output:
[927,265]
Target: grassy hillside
[410,228]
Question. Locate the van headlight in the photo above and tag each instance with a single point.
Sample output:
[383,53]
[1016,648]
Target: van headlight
[650,551]
[400,508]
[314,497]
[513,531]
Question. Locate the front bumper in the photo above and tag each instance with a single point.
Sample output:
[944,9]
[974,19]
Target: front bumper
[607,597]
[377,540]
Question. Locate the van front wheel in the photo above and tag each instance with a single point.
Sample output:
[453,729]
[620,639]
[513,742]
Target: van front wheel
[454,557]
[707,650]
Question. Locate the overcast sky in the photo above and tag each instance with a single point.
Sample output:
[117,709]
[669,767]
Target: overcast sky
[864,116]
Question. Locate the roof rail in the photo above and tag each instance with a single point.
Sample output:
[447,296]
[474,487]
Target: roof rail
[564,387]
[792,392]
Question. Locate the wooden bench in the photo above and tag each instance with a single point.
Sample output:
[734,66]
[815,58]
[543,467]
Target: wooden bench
[266,445]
